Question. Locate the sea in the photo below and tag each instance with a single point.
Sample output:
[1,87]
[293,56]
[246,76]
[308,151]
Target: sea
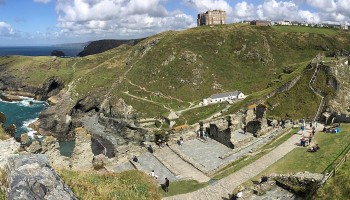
[24,112]
[69,51]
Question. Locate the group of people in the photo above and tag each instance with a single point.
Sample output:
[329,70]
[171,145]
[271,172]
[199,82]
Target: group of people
[166,184]
[314,148]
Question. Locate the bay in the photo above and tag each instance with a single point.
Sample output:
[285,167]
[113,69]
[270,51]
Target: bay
[39,50]
[22,113]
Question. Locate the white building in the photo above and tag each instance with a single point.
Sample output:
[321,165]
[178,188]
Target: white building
[222,97]
[284,23]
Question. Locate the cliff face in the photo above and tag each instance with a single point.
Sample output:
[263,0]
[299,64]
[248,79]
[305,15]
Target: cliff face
[100,46]
[339,106]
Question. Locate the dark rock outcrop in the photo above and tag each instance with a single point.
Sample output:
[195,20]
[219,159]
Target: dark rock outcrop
[11,130]
[31,177]
[51,87]
[100,46]
[57,53]
[2,118]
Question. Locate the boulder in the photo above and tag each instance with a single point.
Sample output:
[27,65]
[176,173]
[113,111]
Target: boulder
[35,147]
[31,177]
[99,161]
[25,139]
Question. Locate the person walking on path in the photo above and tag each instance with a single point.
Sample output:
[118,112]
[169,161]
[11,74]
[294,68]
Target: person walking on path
[166,185]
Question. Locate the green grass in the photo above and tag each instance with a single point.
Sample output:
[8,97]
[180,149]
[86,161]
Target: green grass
[195,115]
[332,145]
[301,29]
[206,61]
[337,187]
[182,187]
[244,161]
[128,185]
[297,103]
[3,135]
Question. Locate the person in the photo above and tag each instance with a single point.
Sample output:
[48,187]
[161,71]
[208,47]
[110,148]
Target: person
[154,174]
[244,129]
[310,139]
[302,142]
[263,179]
[181,140]
[151,149]
[310,124]
[135,159]
[166,185]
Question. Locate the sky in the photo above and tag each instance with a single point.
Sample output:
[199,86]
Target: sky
[46,22]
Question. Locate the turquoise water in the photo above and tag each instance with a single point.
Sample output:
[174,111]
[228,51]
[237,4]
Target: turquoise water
[22,113]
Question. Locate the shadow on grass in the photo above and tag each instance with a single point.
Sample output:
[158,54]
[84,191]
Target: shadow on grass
[181,187]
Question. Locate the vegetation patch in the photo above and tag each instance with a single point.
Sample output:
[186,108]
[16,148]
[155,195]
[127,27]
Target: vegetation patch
[3,134]
[299,160]
[337,187]
[182,187]
[301,29]
[128,185]
[297,103]
[197,114]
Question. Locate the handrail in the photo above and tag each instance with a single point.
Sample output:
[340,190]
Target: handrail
[336,164]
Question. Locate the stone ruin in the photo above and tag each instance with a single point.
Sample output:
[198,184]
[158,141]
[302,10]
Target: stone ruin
[222,129]
[256,121]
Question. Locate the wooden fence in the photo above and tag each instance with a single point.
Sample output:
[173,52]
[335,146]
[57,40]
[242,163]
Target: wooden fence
[330,170]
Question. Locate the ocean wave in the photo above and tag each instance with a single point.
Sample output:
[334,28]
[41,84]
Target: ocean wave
[26,101]
[30,132]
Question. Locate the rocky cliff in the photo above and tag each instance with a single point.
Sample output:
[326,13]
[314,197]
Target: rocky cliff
[100,46]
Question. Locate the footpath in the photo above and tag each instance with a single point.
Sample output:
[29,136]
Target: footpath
[223,188]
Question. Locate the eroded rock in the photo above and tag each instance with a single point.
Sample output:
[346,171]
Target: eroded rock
[31,177]
[82,154]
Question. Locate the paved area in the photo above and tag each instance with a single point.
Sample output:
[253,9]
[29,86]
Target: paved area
[205,153]
[213,155]
[178,166]
[149,163]
[223,188]
[123,167]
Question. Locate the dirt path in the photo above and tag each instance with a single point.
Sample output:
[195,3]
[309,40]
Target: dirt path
[224,187]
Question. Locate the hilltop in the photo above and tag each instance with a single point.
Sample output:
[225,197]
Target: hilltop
[171,71]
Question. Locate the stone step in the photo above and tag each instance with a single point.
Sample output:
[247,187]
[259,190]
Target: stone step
[181,168]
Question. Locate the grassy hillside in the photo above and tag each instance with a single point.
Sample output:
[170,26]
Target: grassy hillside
[127,185]
[177,69]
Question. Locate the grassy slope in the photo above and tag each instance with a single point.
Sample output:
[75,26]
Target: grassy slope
[332,145]
[128,185]
[263,53]
[338,187]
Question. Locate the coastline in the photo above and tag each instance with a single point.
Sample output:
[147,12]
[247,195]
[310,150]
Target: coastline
[11,95]
[28,124]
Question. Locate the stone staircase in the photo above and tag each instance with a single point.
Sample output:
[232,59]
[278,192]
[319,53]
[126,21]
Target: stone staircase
[180,168]
[318,93]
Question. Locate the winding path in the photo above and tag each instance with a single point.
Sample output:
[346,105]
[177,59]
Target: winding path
[223,188]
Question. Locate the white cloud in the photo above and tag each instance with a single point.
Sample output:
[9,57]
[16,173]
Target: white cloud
[244,10]
[6,30]
[129,18]
[42,1]
[204,5]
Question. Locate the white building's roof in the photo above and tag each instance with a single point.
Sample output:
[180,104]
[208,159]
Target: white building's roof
[227,94]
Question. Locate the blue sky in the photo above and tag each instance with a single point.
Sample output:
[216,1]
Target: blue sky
[45,22]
